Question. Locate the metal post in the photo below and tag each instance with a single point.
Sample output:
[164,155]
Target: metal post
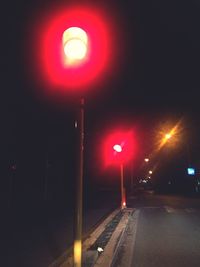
[131,178]
[79,195]
[10,196]
[122,184]
[46,180]
[188,154]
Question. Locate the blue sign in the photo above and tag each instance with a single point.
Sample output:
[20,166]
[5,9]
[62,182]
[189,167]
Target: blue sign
[191,171]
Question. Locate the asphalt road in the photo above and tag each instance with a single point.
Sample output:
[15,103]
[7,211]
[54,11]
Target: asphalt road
[168,231]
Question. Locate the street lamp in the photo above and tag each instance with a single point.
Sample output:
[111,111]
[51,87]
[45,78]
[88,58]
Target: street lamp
[118,149]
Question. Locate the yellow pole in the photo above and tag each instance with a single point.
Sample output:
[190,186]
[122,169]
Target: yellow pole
[79,196]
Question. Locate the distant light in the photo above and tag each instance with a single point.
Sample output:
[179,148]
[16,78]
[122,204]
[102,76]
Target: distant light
[150,172]
[191,171]
[117,148]
[14,167]
[146,160]
[144,181]
[168,136]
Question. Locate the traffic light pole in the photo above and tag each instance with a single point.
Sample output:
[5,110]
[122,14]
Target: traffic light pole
[79,194]
[131,178]
[122,184]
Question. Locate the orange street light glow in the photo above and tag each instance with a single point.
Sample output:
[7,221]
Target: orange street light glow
[168,136]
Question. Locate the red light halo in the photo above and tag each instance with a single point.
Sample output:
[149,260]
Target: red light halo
[50,63]
[126,140]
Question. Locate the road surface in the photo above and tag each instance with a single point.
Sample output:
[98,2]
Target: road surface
[168,232]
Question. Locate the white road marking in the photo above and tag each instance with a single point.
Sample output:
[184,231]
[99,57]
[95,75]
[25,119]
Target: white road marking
[190,210]
[169,209]
[151,207]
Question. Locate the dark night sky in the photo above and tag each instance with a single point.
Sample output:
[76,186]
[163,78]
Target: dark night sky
[158,80]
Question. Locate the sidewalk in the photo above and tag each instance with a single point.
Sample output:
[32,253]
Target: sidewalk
[40,242]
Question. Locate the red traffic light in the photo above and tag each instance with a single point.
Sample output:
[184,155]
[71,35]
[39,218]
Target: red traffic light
[119,147]
[91,36]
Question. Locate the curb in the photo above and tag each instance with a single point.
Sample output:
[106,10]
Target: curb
[121,240]
[108,256]
[66,259]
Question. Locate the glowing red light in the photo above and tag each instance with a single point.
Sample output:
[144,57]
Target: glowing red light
[92,45]
[119,147]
